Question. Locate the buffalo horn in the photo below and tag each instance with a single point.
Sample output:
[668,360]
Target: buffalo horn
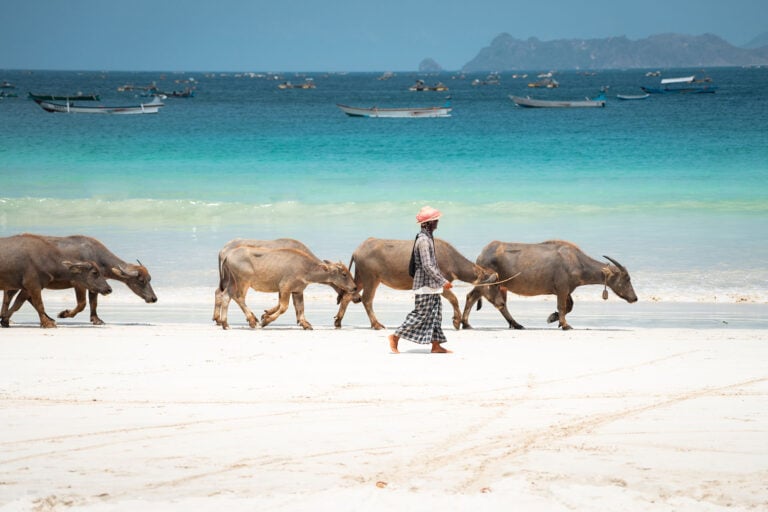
[621,267]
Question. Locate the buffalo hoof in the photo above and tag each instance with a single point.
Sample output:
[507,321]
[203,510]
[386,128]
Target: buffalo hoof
[5,323]
[554,317]
[377,326]
[97,321]
[465,325]
[66,314]
[456,324]
[566,327]
[515,325]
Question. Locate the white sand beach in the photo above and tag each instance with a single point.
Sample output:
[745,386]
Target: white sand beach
[161,415]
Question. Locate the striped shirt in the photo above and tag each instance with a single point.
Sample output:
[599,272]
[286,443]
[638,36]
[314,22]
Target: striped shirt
[427,278]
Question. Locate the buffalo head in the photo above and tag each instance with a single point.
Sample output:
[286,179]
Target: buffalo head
[87,274]
[617,279]
[137,278]
[339,276]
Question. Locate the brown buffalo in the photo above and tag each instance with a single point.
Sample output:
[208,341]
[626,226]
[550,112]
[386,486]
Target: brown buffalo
[280,243]
[30,263]
[554,267]
[286,271]
[84,248]
[378,261]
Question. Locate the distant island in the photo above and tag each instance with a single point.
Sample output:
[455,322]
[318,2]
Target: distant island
[659,51]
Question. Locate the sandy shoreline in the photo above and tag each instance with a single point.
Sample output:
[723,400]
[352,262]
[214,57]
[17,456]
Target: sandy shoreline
[186,416]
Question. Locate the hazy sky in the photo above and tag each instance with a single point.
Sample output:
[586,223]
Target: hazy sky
[331,35]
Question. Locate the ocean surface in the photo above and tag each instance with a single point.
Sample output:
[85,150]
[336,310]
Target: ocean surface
[675,187]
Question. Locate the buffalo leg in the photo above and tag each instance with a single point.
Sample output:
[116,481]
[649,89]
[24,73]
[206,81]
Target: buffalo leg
[298,305]
[218,298]
[79,306]
[36,298]
[5,315]
[472,298]
[21,298]
[239,297]
[344,300]
[448,294]
[507,315]
[267,319]
[93,302]
[223,309]
[368,294]
[564,306]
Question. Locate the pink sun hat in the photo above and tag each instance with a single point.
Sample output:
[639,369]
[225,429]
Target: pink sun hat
[427,214]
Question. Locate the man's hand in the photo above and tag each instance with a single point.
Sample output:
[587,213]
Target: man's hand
[447,286]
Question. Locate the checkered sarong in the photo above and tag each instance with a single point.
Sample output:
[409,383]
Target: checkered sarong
[422,325]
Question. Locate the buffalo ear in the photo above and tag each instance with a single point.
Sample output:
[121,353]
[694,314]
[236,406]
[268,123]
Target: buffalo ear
[121,272]
[77,266]
[325,267]
[71,266]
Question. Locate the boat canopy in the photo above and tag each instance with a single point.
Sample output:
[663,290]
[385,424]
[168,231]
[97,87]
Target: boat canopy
[681,80]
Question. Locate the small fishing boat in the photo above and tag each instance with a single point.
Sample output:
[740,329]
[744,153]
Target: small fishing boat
[528,102]
[632,96]
[69,108]
[411,112]
[421,86]
[546,82]
[681,85]
[73,97]
[308,84]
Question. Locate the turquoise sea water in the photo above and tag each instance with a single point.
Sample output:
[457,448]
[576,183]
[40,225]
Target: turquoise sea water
[674,187]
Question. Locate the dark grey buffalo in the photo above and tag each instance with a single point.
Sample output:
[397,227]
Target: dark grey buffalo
[554,267]
[378,261]
[85,248]
[30,263]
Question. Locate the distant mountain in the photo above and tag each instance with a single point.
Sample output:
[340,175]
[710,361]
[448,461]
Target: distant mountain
[429,66]
[660,51]
[760,41]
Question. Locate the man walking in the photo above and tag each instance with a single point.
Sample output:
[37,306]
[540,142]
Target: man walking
[422,325]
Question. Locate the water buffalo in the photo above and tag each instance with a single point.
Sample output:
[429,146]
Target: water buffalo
[554,267]
[30,263]
[286,271]
[84,248]
[280,243]
[379,261]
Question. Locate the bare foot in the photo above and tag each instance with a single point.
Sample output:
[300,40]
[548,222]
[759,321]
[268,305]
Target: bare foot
[438,349]
[393,343]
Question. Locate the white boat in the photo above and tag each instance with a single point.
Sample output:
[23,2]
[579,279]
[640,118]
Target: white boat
[632,96]
[682,85]
[529,102]
[444,111]
[70,108]
[679,80]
